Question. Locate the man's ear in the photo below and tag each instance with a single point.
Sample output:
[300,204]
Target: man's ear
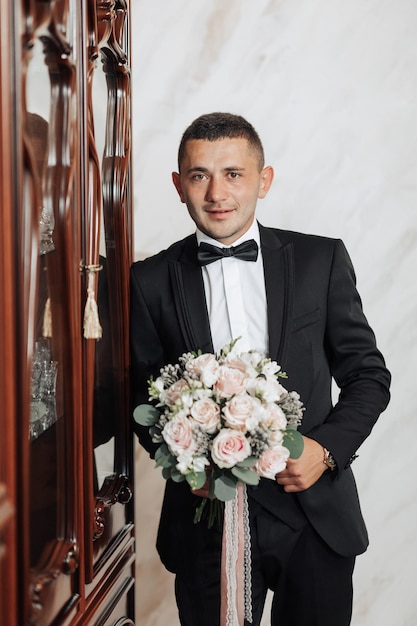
[267,176]
[176,179]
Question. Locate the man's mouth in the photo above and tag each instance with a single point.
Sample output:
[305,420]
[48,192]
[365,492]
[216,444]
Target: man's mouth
[218,210]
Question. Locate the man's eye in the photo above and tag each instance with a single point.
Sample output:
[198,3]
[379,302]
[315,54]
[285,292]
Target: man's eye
[234,175]
[199,176]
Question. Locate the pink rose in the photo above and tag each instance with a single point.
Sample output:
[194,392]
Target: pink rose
[174,392]
[205,367]
[229,447]
[230,382]
[273,461]
[207,414]
[237,362]
[274,419]
[241,412]
[178,434]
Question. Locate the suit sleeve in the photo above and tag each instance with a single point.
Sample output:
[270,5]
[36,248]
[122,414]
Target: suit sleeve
[146,353]
[356,365]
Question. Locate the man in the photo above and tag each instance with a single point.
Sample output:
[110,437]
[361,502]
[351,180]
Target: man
[297,302]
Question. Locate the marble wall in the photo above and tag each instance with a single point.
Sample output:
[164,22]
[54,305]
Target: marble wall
[331,87]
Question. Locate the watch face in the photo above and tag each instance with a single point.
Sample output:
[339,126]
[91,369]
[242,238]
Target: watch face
[329,460]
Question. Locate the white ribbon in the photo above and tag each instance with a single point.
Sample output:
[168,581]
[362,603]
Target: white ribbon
[236,585]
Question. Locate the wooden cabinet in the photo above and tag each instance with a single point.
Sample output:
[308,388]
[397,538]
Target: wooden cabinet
[66,480]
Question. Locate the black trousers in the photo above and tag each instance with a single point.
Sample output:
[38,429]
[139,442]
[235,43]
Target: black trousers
[312,585]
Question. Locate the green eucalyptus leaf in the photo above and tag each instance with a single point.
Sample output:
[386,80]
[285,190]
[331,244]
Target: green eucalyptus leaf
[196,480]
[246,475]
[166,472]
[146,415]
[163,450]
[293,440]
[154,431]
[163,457]
[225,487]
[164,460]
[248,462]
[176,476]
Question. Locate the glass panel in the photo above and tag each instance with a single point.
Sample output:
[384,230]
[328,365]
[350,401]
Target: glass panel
[110,99]
[45,379]
[104,410]
[50,128]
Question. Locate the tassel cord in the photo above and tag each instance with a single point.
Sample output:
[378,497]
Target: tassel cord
[92,326]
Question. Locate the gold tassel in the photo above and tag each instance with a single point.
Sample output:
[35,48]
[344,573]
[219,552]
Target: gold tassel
[92,327]
[47,319]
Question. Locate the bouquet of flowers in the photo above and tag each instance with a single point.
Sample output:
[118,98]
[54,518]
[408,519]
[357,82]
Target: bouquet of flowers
[224,418]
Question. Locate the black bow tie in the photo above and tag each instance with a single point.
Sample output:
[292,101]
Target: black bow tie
[247,251]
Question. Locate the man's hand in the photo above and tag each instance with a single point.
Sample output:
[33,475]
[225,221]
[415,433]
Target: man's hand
[302,473]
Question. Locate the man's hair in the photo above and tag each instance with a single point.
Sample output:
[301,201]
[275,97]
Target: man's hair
[214,126]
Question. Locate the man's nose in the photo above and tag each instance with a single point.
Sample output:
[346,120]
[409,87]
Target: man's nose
[216,190]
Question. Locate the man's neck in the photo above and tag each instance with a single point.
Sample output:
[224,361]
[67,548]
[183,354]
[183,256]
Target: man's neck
[251,233]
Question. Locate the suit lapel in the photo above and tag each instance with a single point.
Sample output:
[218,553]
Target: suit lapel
[279,283]
[190,302]
[188,289]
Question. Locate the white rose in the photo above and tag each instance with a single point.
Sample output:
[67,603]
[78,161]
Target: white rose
[156,389]
[207,414]
[159,383]
[184,462]
[252,361]
[273,461]
[242,412]
[270,368]
[268,389]
[204,367]
[200,463]
[229,447]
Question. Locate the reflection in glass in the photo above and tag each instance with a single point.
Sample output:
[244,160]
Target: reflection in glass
[44,369]
[46,386]
[37,131]
[46,226]
[43,402]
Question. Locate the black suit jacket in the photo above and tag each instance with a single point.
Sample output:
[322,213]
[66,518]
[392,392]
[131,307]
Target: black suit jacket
[317,332]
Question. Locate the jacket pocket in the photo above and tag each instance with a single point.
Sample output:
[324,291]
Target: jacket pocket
[306,320]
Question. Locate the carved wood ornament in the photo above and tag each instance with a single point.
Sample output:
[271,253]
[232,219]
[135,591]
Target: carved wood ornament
[115,489]
[6,512]
[67,544]
[50,23]
[111,35]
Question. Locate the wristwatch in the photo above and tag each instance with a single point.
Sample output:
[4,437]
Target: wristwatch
[329,460]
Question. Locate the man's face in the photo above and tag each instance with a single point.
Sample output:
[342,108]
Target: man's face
[220,182]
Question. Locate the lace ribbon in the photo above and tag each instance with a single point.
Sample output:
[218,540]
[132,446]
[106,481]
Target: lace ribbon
[236,586]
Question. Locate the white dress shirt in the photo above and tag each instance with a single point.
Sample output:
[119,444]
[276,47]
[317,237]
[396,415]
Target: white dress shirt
[236,297]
